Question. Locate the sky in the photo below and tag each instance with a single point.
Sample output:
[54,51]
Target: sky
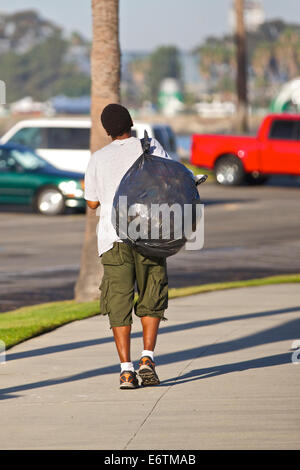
[146,24]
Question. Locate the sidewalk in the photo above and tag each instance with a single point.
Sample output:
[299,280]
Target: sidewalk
[227,380]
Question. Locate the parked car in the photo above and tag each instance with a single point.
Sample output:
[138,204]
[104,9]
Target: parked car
[65,142]
[26,178]
[236,159]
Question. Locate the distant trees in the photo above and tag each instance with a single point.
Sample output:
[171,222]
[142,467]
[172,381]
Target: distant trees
[164,62]
[273,58]
[35,60]
[278,58]
[217,63]
[148,72]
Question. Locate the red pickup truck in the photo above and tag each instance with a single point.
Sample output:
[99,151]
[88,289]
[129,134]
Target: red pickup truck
[239,159]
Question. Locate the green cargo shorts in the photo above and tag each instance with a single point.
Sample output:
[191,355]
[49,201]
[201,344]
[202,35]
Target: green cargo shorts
[123,267]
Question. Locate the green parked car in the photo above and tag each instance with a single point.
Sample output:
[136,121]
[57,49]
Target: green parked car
[26,178]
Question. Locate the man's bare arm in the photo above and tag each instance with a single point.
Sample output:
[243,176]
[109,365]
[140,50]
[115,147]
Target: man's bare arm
[93,204]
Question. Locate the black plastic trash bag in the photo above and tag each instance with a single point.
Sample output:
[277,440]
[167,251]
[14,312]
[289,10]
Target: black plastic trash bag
[149,205]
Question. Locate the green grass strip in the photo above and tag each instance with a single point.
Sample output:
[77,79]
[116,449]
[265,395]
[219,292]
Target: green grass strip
[26,322]
[281,279]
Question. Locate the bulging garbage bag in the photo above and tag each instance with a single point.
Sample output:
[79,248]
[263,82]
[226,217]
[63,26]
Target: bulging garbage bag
[155,205]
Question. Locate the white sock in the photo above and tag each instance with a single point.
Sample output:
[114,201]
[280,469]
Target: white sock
[148,353]
[127,366]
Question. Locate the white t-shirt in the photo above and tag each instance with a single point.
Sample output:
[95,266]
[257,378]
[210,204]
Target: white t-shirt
[105,170]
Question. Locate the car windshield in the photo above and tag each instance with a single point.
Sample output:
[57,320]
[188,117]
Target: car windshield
[28,159]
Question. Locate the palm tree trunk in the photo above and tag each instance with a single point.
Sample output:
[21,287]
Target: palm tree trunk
[105,75]
[241,81]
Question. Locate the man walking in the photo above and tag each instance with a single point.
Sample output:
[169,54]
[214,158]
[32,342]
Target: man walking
[123,266]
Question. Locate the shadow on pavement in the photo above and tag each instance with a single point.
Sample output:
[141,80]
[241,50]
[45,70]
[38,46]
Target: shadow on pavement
[285,331]
[209,372]
[163,330]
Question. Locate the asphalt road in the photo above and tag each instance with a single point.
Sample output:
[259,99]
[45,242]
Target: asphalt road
[249,232]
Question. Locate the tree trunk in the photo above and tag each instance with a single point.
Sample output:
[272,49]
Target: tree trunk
[241,80]
[105,75]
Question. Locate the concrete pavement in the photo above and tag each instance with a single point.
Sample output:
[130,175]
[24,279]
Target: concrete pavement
[227,380]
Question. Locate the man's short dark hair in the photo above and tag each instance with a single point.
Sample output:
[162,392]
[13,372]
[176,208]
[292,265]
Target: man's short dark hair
[116,120]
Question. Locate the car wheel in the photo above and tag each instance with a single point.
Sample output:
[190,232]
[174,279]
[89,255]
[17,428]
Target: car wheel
[50,201]
[256,178]
[229,171]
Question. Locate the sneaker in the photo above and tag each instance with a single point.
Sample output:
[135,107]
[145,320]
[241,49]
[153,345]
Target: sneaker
[147,372]
[128,379]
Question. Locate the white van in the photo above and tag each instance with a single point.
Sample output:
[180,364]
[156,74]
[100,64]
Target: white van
[64,142]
